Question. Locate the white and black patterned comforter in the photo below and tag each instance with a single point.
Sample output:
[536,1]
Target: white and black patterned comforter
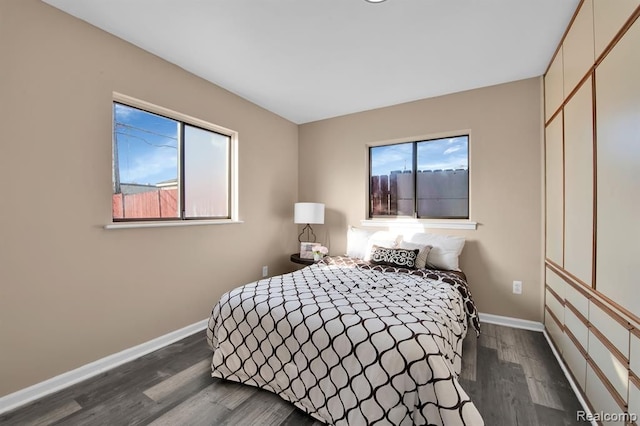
[351,344]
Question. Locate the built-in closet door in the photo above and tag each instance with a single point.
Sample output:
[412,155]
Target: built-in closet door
[578,172]
[554,191]
[618,172]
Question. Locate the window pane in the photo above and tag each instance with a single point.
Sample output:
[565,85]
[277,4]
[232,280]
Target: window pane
[145,165]
[206,173]
[443,178]
[391,184]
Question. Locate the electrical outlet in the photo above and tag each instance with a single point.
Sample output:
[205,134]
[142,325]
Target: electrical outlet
[517,287]
[265,271]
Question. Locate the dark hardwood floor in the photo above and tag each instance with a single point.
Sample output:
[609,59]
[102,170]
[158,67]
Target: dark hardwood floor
[511,375]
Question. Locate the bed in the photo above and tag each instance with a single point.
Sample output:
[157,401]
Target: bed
[351,341]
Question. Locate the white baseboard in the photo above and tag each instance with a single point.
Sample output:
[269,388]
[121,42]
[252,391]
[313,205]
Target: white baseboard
[54,384]
[511,322]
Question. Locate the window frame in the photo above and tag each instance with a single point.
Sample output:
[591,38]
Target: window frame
[183,120]
[445,222]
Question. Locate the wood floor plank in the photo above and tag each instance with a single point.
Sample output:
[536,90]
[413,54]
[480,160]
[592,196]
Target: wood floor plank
[143,372]
[490,400]
[126,409]
[489,330]
[171,384]
[526,343]
[521,405]
[42,418]
[232,394]
[543,393]
[300,418]
[201,410]
[507,337]
[507,352]
[542,386]
[504,397]
[488,341]
[264,408]
[469,358]
[534,367]
[551,417]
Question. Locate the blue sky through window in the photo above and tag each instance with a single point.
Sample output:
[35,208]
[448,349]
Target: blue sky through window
[437,154]
[147,146]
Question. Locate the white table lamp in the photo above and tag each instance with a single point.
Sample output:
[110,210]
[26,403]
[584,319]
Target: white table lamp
[308,213]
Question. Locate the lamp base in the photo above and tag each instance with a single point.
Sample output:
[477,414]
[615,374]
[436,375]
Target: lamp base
[309,230]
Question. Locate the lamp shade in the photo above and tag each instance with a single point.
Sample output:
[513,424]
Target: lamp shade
[308,213]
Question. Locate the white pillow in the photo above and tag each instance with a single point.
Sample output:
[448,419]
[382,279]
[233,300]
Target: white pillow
[384,239]
[444,252]
[357,239]
[421,260]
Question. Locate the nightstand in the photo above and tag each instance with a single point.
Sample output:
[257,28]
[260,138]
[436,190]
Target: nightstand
[295,257]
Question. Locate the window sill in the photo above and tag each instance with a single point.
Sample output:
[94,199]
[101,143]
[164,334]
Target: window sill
[420,223]
[162,224]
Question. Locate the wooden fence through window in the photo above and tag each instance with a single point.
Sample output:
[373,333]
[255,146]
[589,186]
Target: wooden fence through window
[441,193]
[146,205]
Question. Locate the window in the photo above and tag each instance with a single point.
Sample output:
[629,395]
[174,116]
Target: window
[426,179]
[167,166]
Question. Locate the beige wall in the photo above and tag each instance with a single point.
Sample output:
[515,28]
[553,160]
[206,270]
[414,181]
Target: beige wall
[505,124]
[72,292]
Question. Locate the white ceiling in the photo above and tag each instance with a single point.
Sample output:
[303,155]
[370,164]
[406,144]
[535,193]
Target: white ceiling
[308,60]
